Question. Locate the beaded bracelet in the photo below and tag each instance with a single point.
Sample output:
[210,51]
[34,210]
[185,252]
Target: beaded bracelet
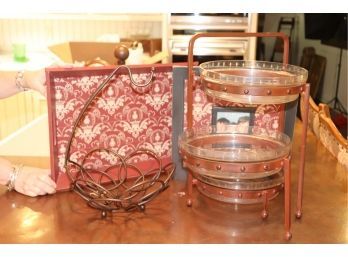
[14,174]
[20,81]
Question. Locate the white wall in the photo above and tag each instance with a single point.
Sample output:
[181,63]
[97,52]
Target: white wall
[331,54]
[40,31]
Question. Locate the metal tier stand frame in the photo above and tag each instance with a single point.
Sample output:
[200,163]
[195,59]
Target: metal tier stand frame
[285,162]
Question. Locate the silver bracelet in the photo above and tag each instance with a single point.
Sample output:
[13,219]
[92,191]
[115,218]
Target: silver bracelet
[20,81]
[14,174]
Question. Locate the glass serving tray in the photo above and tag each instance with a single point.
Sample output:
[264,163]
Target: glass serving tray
[252,82]
[244,184]
[255,145]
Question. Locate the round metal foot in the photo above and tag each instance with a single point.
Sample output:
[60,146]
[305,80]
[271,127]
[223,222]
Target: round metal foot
[298,214]
[288,235]
[189,202]
[103,214]
[142,207]
[264,214]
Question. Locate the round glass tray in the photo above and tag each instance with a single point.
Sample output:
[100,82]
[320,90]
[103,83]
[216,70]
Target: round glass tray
[244,184]
[228,144]
[252,82]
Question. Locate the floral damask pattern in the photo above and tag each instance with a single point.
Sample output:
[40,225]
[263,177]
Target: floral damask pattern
[119,118]
[267,117]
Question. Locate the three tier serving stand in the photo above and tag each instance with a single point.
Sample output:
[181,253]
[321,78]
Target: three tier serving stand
[251,166]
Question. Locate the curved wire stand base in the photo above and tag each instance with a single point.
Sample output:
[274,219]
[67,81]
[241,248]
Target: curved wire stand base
[104,192]
[122,186]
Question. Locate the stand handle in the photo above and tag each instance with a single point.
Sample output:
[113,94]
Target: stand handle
[223,34]
[105,83]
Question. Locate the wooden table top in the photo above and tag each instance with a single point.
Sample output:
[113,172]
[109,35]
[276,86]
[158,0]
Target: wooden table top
[66,218]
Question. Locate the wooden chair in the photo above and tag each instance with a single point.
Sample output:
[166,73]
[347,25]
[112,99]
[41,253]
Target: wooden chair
[316,75]
[306,58]
[315,64]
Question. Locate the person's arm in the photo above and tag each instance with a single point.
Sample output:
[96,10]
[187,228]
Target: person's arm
[13,82]
[29,181]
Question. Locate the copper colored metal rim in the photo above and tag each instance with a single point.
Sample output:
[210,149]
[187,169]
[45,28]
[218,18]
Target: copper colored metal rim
[249,99]
[237,196]
[226,173]
[268,91]
[231,167]
[244,184]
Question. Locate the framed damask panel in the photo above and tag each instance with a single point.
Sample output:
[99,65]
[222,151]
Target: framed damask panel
[119,118]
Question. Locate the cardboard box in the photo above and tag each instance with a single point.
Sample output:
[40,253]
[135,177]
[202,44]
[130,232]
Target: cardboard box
[151,46]
[71,52]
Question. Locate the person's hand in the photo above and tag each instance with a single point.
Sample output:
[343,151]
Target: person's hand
[35,80]
[34,181]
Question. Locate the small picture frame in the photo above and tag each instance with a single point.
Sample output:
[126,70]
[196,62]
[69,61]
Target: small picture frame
[238,119]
